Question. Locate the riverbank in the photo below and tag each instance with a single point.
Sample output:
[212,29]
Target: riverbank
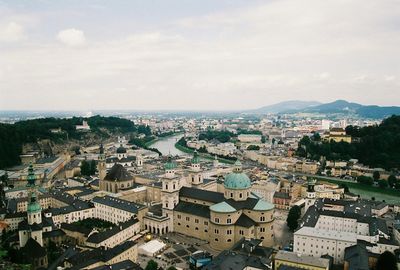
[367,192]
[203,155]
[161,138]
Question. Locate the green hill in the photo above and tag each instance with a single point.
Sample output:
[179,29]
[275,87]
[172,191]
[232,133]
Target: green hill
[376,146]
[13,136]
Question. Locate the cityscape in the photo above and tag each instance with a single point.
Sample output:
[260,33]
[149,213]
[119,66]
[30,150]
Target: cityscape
[215,135]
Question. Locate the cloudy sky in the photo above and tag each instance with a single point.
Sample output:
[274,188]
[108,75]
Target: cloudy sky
[190,54]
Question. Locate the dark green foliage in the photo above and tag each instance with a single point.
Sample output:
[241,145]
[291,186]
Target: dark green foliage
[203,149]
[386,261]
[365,180]
[246,131]
[345,187]
[88,168]
[171,268]
[392,180]
[376,146]
[143,143]
[144,130]
[376,176]
[253,147]
[12,137]
[222,136]
[382,183]
[91,223]
[151,265]
[293,217]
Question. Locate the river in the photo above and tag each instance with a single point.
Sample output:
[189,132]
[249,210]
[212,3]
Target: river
[167,145]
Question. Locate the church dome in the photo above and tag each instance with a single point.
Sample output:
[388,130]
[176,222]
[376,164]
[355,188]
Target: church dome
[121,150]
[237,180]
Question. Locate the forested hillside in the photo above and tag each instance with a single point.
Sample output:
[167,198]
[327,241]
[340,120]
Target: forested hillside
[376,146]
[13,136]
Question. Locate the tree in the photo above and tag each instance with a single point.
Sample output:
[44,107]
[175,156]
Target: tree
[345,187]
[376,176]
[386,261]
[93,167]
[293,217]
[253,147]
[85,168]
[171,268]
[382,183]
[392,180]
[151,265]
[365,180]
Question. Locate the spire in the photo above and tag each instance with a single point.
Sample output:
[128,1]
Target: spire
[31,177]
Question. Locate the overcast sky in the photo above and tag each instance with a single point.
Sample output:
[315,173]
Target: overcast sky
[200,55]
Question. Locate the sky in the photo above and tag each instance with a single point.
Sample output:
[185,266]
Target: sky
[196,55]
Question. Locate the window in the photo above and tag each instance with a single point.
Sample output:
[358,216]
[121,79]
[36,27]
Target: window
[216,231]
[187,218]
[179,216]
[206,223]
[240,195]
[262,218]
[196,220]
[228,231]
[229,221]
[216,220]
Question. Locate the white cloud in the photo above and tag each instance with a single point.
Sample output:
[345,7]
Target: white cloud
[235,59]
[72,37]
[11,32]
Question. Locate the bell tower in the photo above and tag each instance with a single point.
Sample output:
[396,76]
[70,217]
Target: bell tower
[195,175]
[102,163]
[170,191]
[311,194]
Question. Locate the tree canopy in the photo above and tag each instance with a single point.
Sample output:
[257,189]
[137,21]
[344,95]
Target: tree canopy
[375,146]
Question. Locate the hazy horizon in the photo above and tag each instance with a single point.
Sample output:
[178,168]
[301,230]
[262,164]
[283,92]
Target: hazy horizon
[196,55]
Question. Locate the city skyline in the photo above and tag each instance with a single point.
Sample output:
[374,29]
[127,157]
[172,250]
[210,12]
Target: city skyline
[196,56]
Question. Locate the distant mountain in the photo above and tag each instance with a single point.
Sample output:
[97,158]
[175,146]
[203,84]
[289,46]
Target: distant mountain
[345,107]
[291,105]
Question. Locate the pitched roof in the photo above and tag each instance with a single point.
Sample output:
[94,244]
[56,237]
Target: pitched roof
[193,209]
[203,195]
[33,249]
[118,173]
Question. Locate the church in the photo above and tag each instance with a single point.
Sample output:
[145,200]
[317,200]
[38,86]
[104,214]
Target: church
[222,219]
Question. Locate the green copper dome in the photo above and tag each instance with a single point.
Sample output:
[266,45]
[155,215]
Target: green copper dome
[33,205]
[237,180]
[170,165]
[263,206]
[195,159]
[222,207]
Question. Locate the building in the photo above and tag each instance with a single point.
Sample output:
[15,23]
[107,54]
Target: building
[224,218]
[250,138]
[300,261]
[329,227]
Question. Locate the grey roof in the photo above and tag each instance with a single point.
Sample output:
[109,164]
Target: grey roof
[124,265]
[33,249]
[75,228]
[204,195]
[193,209]
[118,173]
[253,247]
[99,237]
[229,260]
[303,259]
[89,257]
[357,257]
[119,204]
[245,221]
